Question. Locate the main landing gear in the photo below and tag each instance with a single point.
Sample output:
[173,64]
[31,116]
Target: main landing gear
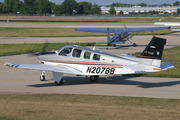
[59,83]
[57,77]
[93,78]
[42,77]
[134,45]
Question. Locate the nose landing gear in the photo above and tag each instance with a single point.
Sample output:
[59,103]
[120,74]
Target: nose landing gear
[42,77]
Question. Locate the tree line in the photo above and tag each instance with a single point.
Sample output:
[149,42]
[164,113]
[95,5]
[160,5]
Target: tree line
[47,7]
[67,7]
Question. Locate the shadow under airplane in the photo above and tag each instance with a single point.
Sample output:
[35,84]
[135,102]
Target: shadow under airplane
[116,80]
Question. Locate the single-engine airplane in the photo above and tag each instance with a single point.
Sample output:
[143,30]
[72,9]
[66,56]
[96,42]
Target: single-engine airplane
[120,34]
[83,61]
[171,24]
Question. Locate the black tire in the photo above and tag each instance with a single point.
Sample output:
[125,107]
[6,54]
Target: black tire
[42,78]
[114,45]
[60,83]
[134,45]
[93,78]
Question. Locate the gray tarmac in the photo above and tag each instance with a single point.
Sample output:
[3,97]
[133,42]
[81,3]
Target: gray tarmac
[14,80]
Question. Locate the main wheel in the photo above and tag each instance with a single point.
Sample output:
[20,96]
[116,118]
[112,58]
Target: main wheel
[42,78]
[60,83]
[93,78]
[114,45]
[134,45]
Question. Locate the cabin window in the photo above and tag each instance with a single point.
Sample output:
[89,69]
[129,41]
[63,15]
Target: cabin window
[87,55]
[65,51]
[96,57]
[77,53]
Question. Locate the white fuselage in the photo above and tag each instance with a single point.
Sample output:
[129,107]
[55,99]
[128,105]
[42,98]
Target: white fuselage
[107,64]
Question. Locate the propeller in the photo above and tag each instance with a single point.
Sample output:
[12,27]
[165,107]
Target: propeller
[124,26]
[45,46]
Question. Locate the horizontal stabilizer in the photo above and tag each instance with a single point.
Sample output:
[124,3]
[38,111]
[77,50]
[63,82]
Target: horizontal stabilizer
[165,66]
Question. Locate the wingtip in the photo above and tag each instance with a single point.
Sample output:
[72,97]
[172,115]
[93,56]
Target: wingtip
[7,64]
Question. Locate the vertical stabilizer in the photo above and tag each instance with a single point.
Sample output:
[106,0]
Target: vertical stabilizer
[154,49]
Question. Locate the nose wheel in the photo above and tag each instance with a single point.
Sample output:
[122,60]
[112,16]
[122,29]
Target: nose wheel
[42,77]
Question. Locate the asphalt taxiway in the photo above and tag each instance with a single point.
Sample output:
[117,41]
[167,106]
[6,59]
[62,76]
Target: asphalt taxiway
[27,81]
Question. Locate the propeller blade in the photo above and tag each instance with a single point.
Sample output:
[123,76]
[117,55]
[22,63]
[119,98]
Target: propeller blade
[45,45]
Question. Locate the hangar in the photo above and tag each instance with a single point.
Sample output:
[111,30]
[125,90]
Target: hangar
[136,9]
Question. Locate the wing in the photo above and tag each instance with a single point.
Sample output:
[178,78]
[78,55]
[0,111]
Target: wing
[54,68]
[168,23]
[120,30]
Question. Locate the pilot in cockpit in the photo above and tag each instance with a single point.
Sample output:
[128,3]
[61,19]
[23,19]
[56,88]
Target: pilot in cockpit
[65,51]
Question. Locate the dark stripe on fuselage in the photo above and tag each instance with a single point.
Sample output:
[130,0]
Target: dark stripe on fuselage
[83,63]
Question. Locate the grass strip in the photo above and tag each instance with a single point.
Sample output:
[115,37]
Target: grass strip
[121,19]
[15,49]
[68,106]
[61,32]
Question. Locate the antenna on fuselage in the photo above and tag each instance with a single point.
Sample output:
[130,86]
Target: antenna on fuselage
[94,48]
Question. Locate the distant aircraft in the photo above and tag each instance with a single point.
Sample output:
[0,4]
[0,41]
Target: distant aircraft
[120,34]
[83,61]
[171,24]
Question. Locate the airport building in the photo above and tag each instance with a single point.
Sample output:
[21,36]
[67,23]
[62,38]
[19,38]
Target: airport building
[136,9]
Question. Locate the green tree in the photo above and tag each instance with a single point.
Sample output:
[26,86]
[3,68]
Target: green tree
[69,6]
[52,6]
[153,12]
[95,9]
[178,11]
[177,3]
[12,6]
[87,6]
[142,4]
[1,7]
[165,5]
[57,10]
[81,9]
[44,6]
[31,6]
[112,10]
[121,12]
[121,5]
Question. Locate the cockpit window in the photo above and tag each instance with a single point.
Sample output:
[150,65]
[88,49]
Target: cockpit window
[65,51]
[96,57]
[87,55]
[77,53]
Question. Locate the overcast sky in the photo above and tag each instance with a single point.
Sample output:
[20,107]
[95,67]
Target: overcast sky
[109,2]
